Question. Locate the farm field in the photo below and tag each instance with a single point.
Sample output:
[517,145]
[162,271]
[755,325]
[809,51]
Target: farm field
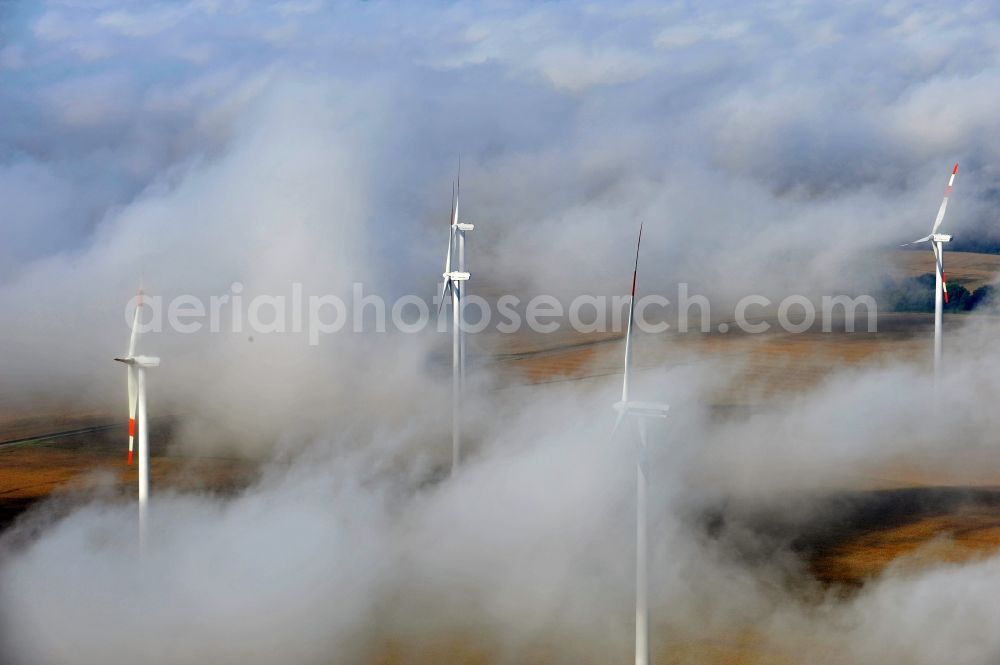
[970,269]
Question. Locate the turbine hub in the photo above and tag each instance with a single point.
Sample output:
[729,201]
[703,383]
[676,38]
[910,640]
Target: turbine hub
[140,361]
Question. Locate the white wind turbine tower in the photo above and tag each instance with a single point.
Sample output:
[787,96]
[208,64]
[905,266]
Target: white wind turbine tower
[937,241]
[137,421]
[453,280]
[637,413]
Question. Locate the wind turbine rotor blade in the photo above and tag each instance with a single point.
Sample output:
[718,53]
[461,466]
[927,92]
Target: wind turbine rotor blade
[635,270]
[447,269]
[447,259]
[445,288]
[628,329]
[618,423]
[944,201]
[458,192]
[631,303]
[939,266]
[642,435]
[451,218]
[917,241]
[134,336]
[132,397]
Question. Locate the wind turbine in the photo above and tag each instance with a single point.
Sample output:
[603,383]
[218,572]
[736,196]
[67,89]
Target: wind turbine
[636,414]
[453,280]
[137,421]
[937,241]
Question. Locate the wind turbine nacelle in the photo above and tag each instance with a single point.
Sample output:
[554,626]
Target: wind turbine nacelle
[462,226]
[147,361]
[642,409]
[140,361]
[941,237]
[456,276]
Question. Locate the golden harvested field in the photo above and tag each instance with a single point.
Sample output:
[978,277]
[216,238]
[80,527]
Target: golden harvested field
[970,531]
[764,366]
[16,424]
[77,466]
[970,269]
